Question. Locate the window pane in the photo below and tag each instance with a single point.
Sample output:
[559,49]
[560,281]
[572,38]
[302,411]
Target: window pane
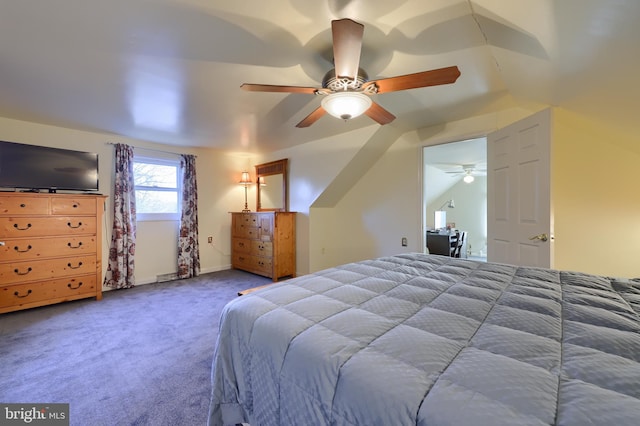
[156,202]
[155,175]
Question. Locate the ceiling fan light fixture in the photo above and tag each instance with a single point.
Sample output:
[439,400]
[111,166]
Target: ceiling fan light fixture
[468,179]
[346,105]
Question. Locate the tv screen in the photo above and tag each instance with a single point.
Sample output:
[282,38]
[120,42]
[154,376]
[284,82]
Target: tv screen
[35,167]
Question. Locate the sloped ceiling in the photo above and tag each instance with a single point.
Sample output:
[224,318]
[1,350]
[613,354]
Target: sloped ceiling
[169,71]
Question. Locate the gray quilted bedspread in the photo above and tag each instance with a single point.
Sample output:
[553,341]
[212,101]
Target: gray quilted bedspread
[431,340]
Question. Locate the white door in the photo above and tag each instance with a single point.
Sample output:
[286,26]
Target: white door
[519,217]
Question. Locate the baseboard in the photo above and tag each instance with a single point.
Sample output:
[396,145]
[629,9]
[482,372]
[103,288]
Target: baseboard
[215,269]
[154,280]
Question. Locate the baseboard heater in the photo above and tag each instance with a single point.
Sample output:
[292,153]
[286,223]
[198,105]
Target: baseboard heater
[166,277]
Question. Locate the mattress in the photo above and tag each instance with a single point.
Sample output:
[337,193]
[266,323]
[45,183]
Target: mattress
[431,340]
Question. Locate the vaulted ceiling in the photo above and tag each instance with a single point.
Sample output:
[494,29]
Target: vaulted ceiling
[170,71]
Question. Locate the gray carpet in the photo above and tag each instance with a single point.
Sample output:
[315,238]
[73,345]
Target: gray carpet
[141,356]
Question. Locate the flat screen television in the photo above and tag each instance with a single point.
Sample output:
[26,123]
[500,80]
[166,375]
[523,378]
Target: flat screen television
[34,167]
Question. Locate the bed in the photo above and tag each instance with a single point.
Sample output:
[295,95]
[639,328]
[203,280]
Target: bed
[431,340]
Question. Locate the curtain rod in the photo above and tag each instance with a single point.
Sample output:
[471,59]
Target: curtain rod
[150,149]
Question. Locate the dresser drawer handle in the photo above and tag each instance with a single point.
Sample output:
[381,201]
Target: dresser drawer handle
[74,227]
[75,247]
[15,225]
[16,294]
[241,244]
[75,206]
[17,271]
[76,287]
[16,248]
[23,205]
[75,267]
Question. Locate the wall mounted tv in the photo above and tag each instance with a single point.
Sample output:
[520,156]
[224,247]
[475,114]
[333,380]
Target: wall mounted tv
[34,167]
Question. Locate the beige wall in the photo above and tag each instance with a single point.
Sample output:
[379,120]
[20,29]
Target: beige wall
[596,207]
[217,175]
[596,200]
[312,168]
[384,206]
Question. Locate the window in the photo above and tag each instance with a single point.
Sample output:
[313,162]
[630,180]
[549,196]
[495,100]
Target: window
[157,189]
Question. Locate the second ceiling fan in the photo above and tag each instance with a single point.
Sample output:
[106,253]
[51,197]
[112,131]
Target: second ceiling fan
[346,89]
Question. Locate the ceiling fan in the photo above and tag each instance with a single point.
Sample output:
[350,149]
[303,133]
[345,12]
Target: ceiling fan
[469,171]
[346,89]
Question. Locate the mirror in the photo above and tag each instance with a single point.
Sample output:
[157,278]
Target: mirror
[273,188]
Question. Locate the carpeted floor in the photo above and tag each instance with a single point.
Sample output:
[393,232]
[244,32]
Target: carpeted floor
[141,356]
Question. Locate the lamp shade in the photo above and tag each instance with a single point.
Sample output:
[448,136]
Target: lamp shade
[245,179]
[468,179]
[449,203]
[346,105]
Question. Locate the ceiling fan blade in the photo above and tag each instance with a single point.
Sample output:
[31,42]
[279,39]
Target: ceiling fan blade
[312,118]
[420,79]
[275,88]
[379,114]
[347,44]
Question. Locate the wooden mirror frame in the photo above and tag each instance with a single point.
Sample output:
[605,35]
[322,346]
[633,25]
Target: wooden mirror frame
[278,167]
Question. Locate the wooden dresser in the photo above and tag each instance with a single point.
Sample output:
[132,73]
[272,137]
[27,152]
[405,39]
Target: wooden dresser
[264,243]
[50,248]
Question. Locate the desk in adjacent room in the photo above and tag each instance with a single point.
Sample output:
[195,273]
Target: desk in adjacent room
[441,244]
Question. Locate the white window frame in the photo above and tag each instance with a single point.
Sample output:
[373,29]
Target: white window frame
[148,217]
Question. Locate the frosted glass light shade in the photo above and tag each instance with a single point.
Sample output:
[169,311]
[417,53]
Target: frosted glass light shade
[346,105]
[468,179]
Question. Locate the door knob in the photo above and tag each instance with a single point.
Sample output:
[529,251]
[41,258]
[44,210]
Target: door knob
[541,237]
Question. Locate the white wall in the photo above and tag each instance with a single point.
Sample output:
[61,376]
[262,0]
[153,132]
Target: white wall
[469,214]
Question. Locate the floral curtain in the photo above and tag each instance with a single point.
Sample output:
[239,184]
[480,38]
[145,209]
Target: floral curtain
[188,249]
[120,269]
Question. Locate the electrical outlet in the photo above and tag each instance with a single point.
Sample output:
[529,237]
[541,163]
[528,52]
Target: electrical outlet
[404,241]
[210,239]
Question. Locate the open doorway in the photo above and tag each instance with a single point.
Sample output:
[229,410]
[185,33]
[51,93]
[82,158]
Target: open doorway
[455,196]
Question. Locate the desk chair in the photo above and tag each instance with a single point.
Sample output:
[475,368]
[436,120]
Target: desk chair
[459,244]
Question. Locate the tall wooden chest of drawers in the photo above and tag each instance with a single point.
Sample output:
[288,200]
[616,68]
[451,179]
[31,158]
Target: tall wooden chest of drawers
[50,248]
[264,243]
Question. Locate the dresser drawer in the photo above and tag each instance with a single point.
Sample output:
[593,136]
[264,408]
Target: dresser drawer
[38,248]
[17,227]
[240,260]
[247,220]
[263,265]
[24,205]
[257,264]
[24,294]
[241,245]
[20,272]
[73,205]
[248,232]
[262,248]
